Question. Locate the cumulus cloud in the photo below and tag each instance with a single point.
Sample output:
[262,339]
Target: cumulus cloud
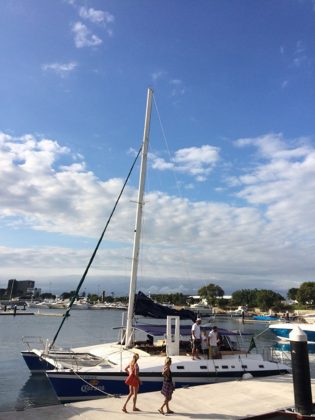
[266,239]
[47,194]
[96,16]
[61,69]
[100,17]
[83,37]
[282,182]
[195,161]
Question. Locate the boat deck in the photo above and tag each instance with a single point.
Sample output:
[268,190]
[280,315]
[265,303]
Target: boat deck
[230,400]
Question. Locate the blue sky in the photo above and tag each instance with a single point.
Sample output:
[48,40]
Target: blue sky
[230,188]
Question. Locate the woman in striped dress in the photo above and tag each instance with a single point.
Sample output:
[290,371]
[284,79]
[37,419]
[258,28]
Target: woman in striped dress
[168,386]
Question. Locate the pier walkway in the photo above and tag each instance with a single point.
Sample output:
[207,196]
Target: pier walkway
[229,400]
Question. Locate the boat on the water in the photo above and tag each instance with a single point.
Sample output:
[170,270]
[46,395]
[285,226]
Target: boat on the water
[107,377]
[282,330]
[115,305]
[266,318]
[201,309]
[97,371]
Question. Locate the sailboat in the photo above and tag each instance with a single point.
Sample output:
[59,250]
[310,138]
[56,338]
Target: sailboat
[98,371]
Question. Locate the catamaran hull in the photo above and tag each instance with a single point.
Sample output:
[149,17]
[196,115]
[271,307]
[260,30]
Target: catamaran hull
[71,387]
[35,363]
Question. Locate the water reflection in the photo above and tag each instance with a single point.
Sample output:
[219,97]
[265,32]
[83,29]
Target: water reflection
[36,392]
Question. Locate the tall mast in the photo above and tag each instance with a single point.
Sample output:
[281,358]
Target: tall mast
[137,231]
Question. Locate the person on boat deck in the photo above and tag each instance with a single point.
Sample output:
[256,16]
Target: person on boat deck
[204,344]
[167,387]
[213,341]
[196,339]
[133,381]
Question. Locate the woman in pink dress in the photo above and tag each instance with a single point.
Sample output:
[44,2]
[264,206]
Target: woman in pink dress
[133,382]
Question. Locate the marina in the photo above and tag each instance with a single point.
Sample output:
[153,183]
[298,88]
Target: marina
[171,259]
[100,367]
[19,389]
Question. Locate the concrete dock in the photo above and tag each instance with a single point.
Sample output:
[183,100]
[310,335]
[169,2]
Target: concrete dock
[229,400]
[17,313]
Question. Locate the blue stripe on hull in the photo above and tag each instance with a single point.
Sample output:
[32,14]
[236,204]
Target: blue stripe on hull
[281,332]
[74,389]
[35,363]
[284,333]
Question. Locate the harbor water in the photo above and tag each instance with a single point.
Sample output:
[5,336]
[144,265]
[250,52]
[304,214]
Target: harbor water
[19,389]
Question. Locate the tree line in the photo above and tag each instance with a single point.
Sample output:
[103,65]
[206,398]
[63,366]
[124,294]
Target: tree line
[262,298]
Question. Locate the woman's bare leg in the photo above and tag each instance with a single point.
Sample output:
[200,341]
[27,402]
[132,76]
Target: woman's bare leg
[136,389]
[128,397]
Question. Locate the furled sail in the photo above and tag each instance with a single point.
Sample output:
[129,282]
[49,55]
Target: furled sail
[146,307]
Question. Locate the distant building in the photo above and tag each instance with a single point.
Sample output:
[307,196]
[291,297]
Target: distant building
[18,288]
[36,292]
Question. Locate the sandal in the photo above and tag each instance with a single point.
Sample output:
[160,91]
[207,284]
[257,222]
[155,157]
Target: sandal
[170,412]
[136,409]
[124,410]
[160,411]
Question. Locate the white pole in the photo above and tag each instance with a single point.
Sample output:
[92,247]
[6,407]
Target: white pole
[137,232]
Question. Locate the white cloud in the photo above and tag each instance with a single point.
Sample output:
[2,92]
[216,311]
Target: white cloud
[44,193]
[195,161]
[283,182]
[83,37]
[161,164]
[266,242]
[61,69]
[96,16]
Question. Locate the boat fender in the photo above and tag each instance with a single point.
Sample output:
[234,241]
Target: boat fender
[247,376]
